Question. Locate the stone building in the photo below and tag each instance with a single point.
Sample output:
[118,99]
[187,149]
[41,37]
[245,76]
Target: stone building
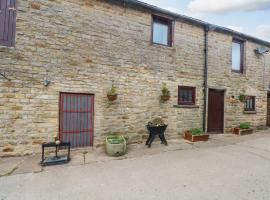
[59,58]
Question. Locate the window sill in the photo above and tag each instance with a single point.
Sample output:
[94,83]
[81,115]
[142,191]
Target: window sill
[186,106]
[162,45]
[250,112]
[237,72]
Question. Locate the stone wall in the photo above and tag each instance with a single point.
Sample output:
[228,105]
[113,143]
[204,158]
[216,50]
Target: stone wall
[82,46]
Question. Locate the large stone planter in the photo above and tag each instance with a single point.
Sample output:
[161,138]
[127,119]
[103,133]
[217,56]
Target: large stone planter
[116,145]
[239,131]
[195,138]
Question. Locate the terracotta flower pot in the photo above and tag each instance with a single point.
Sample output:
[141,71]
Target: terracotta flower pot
[239,131]
[165,98]
[112,97]
[195,138]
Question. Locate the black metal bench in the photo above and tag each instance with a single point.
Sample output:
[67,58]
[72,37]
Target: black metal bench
[53,160]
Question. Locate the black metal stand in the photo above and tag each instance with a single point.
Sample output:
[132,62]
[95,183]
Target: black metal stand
[53,160]
[156,130]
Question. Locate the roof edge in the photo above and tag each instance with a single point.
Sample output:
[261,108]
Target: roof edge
[195,21]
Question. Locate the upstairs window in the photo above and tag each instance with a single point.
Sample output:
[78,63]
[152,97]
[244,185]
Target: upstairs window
[186,95]
[237,56]
[7,22]
[162,31]
[250,103]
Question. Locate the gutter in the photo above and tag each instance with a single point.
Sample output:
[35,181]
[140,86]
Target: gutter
[205,75]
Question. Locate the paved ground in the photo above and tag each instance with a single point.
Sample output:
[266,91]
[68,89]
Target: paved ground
[225,168]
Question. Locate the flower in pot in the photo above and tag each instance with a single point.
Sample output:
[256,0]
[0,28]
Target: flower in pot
[115,145]
[165,96]
[111,94]
[242,97]
[243,129]
[195,135]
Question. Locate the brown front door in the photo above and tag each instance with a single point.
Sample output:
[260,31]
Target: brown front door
[268,109]
[215,111]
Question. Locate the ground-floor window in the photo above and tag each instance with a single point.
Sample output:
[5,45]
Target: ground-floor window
[186,95]
[250,103]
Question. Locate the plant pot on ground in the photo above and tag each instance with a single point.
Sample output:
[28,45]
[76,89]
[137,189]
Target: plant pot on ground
[165,93]
[115,145]
[196,135]
[112,94]
[243,129]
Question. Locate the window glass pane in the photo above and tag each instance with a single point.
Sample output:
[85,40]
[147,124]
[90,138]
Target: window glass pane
[186,95]
[250,103]
[160,33]
[236,56]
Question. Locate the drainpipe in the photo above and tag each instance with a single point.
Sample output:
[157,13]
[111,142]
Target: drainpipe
[206,30]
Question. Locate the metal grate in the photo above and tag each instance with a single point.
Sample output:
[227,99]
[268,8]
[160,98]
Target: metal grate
[76,119]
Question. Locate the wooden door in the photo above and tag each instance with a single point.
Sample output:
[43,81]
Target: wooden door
[268,109]
[7,22]
[215,111]
[76,119]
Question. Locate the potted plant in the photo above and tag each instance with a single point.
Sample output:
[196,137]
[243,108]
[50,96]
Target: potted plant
[165,96]
[115,145]
[243,129]
[242,97]
[111,94]
[195,135]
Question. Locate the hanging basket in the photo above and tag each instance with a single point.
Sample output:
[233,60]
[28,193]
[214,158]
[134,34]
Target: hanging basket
[165,98]
[112,97]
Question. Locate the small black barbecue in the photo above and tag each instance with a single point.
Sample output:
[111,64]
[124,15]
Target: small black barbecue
[154,131]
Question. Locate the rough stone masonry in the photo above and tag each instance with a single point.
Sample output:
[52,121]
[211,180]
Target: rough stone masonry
[82,46]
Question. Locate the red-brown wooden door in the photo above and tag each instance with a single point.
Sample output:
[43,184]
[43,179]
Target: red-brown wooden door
[268,110]
[76,119]
[215,111]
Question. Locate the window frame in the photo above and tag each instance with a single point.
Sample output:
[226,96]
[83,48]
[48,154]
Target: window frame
[165,21]
[193,89]
[254,104]
[242,45]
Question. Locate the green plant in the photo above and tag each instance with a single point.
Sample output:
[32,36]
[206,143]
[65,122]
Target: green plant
[156,122]
[112,91]
[115,139]
[245,125]
[196,131]
[165,91]
[242,97]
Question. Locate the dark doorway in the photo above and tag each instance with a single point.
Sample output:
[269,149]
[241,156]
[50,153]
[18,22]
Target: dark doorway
[268,109]
[76,119]
[215,111]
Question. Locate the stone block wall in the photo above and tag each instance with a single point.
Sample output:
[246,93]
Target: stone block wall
[84,46]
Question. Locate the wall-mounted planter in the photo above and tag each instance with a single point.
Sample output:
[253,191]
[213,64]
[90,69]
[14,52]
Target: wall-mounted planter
[239,131]
[112,97]
[165,98]
[116,145]
[195,138]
